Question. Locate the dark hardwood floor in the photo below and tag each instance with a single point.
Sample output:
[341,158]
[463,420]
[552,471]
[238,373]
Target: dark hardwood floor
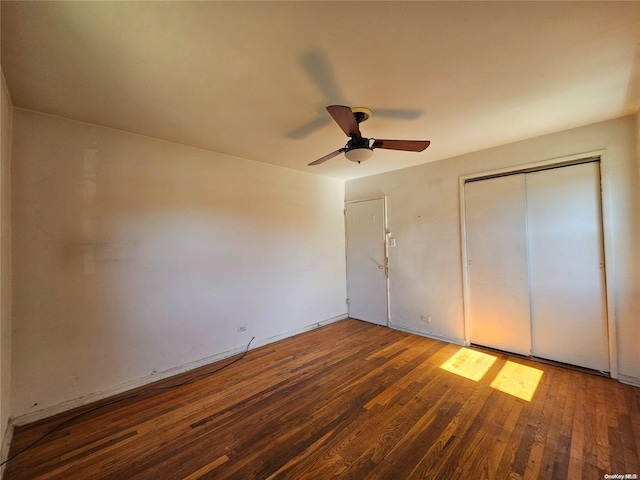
[351,401]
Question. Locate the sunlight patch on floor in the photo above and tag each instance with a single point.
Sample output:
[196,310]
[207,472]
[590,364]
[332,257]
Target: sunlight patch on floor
[518,380]
[469,364]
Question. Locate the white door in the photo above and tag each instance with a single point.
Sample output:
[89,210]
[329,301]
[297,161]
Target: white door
[366,261]
[567,266]
[497,272]
[535,268]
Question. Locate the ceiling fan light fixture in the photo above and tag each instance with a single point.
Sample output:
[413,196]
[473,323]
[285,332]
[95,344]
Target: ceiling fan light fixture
[359,154]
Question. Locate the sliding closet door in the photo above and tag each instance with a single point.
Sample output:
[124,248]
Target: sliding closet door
[498,290]
[566,266]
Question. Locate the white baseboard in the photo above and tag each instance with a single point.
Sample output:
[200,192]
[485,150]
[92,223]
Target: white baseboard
[435,336]
[298,331]
[6,444]
[633,381]
[140,382]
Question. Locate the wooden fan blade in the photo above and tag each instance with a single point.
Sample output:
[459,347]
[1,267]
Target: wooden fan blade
[326,157]
[407,145]
[345,119]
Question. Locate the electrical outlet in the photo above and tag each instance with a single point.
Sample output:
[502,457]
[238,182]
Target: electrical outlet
[425,318]
[242,328]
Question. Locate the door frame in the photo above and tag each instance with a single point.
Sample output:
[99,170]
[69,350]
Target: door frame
[386,250]
[602,157]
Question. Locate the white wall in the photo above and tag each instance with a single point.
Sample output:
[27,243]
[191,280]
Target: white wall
[134,255]
[425,267]
[5,262]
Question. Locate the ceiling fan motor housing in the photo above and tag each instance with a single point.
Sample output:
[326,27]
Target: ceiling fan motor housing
[359,116]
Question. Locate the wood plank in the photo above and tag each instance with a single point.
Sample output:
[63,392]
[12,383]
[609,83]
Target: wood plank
[553,436]
[350,400]
[632,396]
[577,432]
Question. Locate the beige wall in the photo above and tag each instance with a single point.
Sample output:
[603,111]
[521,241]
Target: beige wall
[135,256]
[5,263]
[425,267]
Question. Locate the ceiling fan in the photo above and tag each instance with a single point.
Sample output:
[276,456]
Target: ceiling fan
[359,148]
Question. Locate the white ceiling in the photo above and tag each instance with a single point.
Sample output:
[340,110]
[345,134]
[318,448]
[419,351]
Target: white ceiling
[252,79]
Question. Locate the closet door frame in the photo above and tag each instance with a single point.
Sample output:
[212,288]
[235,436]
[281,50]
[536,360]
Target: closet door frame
[607,238]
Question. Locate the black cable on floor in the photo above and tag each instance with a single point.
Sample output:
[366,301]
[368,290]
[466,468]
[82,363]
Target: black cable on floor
[135,395]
